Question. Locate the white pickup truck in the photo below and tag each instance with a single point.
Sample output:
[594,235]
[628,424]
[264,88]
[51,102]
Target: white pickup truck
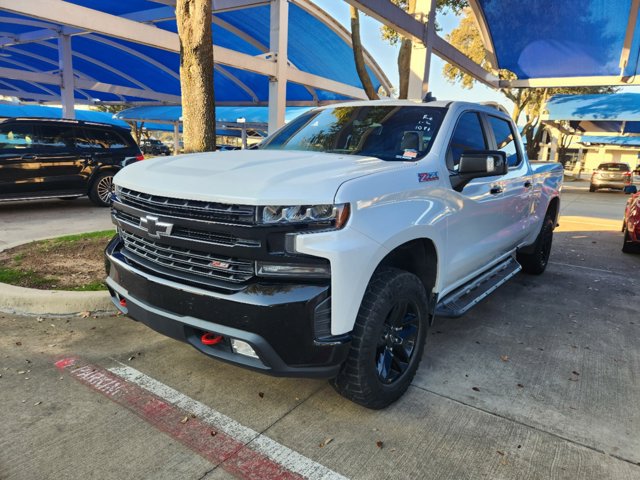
[329,251]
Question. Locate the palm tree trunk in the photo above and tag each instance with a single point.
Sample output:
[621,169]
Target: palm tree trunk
[196,75]
[358,56]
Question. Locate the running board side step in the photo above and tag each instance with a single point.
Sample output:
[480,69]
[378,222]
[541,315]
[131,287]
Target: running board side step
[458,302]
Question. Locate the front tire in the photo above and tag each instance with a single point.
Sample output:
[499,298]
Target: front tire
[535,263]
[388,340]
[101,188]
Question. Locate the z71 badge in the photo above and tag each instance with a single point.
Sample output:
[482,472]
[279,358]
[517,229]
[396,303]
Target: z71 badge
[428,177]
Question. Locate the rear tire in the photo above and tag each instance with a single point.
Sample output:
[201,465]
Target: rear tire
[535,263]
[388,340]
[628,246]
[100,191]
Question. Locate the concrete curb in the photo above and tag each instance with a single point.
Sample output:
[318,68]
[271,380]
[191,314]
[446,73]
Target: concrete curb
[31,301]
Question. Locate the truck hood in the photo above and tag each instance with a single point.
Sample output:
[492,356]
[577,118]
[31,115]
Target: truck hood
[251,177]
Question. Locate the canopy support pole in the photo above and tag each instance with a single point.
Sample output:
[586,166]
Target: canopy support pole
[65,62]
[243,136]
[176,138]
[278,39]
[421,53]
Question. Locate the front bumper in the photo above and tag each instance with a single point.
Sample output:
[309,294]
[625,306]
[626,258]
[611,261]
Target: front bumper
[277,320]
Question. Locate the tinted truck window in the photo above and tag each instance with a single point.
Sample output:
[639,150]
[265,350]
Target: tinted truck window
[468,135]
[504,136]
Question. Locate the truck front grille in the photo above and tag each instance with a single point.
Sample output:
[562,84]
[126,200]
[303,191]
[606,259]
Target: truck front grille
[185,233]
[218,212]
[189,261]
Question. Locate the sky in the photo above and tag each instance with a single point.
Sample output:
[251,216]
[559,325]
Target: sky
[386,56]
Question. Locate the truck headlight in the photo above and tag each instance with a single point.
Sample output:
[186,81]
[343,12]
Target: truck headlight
[339,214]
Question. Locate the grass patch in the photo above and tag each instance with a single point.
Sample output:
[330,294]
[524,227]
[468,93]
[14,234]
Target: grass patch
[19,277]
[72,262]
[90,287]
[106,234]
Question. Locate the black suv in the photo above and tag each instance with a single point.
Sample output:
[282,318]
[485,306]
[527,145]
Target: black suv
[50,158]
[154,147]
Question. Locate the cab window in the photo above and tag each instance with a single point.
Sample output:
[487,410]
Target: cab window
[468,135]
[505,139]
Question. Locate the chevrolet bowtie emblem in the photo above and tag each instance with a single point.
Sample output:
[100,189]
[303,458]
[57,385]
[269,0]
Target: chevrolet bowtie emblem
[155,228]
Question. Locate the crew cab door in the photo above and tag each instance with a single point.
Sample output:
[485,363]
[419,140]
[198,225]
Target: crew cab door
[476,230]
[517,184]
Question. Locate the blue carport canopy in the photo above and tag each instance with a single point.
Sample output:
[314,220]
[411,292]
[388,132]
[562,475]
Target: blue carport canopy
[8,110]
[598,113]
[610,140]
[173,114]
[164,118]
[127,52]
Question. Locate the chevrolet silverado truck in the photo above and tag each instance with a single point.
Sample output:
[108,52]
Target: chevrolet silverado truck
[329,251]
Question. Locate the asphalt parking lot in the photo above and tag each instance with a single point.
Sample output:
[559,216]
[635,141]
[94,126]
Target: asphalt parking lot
[539,381]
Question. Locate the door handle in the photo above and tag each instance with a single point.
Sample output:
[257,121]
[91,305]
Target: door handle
[527,184]
[496,190]
[29,156]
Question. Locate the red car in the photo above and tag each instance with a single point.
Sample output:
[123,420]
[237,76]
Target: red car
[631,223]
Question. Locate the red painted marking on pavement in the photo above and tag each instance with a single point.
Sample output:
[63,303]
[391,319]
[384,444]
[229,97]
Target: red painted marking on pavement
[220,448]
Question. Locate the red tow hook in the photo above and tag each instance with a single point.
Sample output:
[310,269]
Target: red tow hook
[210,338]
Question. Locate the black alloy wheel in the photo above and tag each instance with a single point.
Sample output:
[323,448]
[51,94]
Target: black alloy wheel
[397,342]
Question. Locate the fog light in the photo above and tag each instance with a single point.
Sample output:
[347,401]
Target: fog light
[243,348]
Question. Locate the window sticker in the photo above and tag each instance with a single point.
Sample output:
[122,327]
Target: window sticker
[428,177]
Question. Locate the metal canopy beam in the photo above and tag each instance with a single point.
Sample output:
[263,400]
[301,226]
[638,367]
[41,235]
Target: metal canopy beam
[485,33]
[597,81]
[278,41]
[53,79]
[628,38]
[389,14]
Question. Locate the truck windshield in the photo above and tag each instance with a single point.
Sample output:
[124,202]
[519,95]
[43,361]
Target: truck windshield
[392,133]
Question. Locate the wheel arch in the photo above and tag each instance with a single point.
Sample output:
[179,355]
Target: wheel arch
[553,209]
[420,257]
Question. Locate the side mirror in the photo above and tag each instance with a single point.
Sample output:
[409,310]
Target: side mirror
[630,189]
[478,164]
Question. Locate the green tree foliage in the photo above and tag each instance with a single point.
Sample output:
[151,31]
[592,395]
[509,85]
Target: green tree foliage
[527,102]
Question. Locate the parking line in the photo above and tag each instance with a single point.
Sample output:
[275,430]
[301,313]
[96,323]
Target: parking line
[238,449]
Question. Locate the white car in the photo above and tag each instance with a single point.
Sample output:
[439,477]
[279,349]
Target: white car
[328,251]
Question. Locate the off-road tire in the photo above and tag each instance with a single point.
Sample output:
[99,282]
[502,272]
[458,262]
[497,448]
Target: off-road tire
[535,263]
[359,378]
[97,192]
